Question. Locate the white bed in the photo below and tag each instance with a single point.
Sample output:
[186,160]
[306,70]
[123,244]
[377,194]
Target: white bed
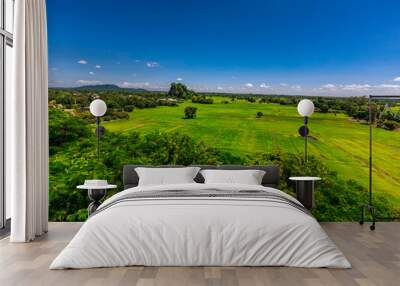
[202,231]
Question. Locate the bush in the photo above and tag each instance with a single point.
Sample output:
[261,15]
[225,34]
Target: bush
[114,115]
[259,114]
[323,108]
[128,108]
[335,199]
[389,124]
[77,161]
[65,128]
[167,102]
[202,99]
[190,112]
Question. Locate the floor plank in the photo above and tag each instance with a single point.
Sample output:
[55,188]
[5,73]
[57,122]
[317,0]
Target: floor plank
[375,257]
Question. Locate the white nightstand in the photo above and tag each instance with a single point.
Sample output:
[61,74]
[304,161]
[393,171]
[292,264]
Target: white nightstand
[305,190]
[95,194]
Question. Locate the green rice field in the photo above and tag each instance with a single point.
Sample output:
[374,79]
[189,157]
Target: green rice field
[338,141]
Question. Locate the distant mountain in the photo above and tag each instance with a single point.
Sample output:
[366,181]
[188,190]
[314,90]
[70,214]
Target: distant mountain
[108,87]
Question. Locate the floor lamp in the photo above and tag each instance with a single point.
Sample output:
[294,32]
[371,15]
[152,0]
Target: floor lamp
[98,108]
[305,109]
[369,206]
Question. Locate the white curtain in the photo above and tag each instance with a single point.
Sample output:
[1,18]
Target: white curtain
[27,124]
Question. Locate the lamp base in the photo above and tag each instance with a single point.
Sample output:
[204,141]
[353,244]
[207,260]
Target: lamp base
[374,217]
[95,196]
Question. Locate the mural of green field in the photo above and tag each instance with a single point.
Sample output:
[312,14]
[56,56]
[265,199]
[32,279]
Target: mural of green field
[341,143]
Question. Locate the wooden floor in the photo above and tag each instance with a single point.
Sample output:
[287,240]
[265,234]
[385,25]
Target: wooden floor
[375,257]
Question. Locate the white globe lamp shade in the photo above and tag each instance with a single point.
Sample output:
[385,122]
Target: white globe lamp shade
[305,107]
[98,107]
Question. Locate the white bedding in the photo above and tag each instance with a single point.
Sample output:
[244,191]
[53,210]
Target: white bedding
[200,231]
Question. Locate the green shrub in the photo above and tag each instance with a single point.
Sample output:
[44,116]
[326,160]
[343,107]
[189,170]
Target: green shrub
[129,108]
[335,199]
[389,124]
[202,99]
[65,128]
[190,112]
[168,102]
[77,161]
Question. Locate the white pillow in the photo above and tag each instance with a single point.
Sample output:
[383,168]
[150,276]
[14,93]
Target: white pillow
[166,176]
[248,177]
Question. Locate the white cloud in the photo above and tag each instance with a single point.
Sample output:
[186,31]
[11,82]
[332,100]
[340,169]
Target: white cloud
[86,82]
[91,73]
[152,64]
[54,69]
[83,62]
[328,86]
[98,66]
[396,78]
[179,79]
[137,61]
[283,84]
[355,87]
[264,85]
[395,86]
[135,84]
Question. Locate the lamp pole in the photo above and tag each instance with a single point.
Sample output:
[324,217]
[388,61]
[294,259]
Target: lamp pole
[98,108]
[305,138]
[305,109]
[98,137]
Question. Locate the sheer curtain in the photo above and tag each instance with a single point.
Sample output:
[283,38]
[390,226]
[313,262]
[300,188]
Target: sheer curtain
[27,124]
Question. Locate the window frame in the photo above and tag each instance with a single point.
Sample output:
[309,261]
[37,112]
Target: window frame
[6,39]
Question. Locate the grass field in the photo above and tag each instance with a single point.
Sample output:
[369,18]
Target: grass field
[340,143]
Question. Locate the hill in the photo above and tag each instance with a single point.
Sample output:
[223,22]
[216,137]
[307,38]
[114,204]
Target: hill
[107,87]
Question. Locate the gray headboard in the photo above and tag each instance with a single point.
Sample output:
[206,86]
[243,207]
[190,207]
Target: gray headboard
[271,177]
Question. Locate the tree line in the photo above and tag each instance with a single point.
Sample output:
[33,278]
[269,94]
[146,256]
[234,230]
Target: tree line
[385,114]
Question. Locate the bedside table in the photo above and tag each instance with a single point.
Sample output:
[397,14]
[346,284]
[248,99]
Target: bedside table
[95,194]
[305,190]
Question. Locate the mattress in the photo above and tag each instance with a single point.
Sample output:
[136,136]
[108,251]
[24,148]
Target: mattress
[201,225]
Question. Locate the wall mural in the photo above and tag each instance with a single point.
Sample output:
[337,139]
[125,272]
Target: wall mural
[184,127]
[185,84]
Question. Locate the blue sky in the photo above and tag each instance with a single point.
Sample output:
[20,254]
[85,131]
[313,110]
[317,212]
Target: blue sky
[340,47]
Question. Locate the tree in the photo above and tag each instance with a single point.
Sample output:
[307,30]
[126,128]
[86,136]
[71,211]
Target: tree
[190,112]
[65,128]
[180,90]
[324,108]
